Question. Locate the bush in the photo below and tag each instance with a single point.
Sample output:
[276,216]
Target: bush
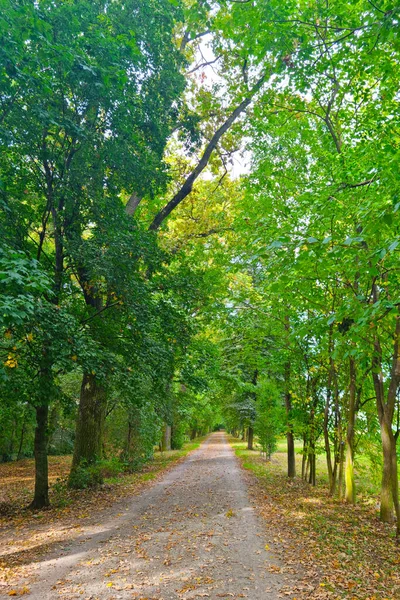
[93,475]
[178,436]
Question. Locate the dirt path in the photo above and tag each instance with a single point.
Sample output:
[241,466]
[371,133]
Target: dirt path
[193,534]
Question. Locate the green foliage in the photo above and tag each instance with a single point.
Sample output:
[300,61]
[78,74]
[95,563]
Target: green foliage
[270,418]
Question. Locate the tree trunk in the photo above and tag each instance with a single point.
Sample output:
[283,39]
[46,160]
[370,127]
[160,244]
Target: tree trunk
[337,475]
[326,439]
[390,481]
[21,439]
[250,438]
[166,438]
[291,457]
[341,469]
[331,379]
[307,471]
[304,458]
[41,496]
[350,493]
[90,422]
[386,512]
[312,458]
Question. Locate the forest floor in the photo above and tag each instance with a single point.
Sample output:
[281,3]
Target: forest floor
[201,527]
[338,550]
[193,533]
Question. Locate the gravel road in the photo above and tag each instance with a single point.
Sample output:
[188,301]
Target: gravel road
[193,534]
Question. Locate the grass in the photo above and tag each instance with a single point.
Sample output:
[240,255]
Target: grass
[339,551]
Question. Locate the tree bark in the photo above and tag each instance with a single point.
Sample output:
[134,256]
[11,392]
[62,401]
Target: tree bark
[90,422]
[166,438]
[385,408]
[250,438]
[350,492]
[304,458]
[291,457]
[341,463]
[41,495]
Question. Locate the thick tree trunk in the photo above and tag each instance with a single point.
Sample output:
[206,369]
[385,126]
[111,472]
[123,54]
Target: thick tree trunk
[90,422]
[41,496]
[350,493]
[166,438]
[250,438]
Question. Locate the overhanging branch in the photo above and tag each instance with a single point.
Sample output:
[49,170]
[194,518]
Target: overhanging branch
[203,162]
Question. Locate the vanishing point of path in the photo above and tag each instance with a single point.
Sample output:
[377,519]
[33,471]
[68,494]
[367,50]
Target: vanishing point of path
[193,534]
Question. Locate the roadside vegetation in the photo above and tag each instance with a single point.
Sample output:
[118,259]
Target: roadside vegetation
[336,550]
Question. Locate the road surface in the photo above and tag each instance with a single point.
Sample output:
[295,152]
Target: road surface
[193,534]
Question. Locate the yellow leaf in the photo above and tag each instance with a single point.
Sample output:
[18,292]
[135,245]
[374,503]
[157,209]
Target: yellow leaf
[13,593]
[74,357]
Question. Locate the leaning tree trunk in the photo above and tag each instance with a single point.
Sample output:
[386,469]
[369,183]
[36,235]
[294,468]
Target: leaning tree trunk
[90,422]
[41,496]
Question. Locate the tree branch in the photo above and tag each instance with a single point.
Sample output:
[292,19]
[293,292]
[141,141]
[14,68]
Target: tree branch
[132,204]
[100,311]
[186,39]
[344,186]
[203,64]
[203,162]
